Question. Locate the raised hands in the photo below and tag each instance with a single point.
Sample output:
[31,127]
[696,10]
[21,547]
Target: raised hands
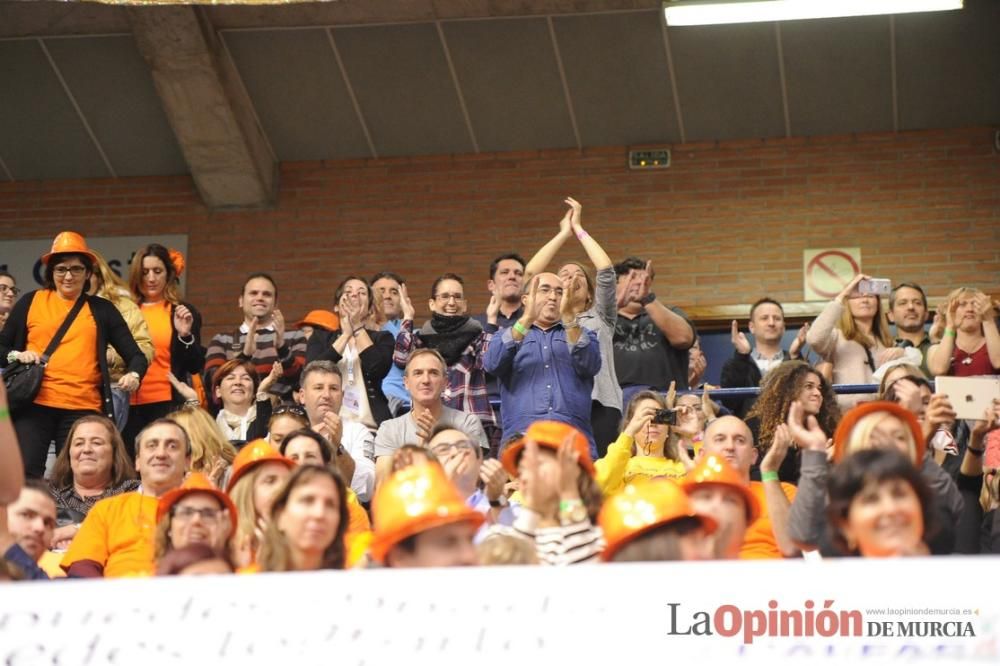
[351,313]
[778,450]
[640,419]
[492,308]
[851,288]
[939,413]
[425,425]
[407,304]
[182,388]
[799,342]
[574,298]
[332,428]
[494,478]
[739,339]
[278,322]
[250,344]
[575,209]
[273,376]
[532,305]
[183,321]
[804,431]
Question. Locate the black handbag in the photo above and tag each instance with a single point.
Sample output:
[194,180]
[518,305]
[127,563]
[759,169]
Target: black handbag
[23,380]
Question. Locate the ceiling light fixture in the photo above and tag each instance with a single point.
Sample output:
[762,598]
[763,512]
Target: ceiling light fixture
[709,12]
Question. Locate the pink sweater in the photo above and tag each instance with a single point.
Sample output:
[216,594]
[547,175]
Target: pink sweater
[850,363]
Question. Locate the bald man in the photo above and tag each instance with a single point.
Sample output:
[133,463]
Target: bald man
[767,537]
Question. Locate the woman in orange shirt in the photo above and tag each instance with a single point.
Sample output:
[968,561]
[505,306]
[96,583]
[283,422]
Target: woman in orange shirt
[175,327]
[76,380]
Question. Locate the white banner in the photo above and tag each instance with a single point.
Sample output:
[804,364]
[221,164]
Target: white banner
[944,610]
[23,258]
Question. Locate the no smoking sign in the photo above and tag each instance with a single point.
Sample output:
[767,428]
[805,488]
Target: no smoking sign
[827,272]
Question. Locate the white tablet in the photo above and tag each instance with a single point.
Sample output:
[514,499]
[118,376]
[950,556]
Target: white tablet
[969,396]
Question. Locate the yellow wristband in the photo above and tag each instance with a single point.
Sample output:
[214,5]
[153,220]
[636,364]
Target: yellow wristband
[768,476]
[519,327]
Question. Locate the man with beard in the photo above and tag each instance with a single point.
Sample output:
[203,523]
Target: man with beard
[462,343]
[387,315]
[908,311]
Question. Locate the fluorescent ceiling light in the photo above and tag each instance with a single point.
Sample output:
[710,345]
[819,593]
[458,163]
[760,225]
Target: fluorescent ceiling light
[755,11]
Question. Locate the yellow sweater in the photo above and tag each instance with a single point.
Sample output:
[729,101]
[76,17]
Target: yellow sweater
[619,466]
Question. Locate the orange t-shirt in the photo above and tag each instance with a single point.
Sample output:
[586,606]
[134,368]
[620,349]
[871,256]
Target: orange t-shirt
[72,378]
[759,542]
[118,534]
[155,385]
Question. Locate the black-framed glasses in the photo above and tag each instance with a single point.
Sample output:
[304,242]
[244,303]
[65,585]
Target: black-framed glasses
[13,291]
[75,271]
[444,298]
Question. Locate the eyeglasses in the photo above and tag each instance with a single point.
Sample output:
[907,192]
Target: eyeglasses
[13,291]
[546,290]
[186,513]
[75,271]
[446,448]
[444,298]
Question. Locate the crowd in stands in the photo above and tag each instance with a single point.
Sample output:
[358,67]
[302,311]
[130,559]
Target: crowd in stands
[566,424]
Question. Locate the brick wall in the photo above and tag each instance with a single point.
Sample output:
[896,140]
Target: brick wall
[724,225]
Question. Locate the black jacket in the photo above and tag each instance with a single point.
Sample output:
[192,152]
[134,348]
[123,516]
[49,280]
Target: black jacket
[376,362]
[741,371]
[186,359]
[111,330]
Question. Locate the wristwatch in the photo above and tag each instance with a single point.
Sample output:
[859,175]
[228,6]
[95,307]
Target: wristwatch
[499,502]
[647,299]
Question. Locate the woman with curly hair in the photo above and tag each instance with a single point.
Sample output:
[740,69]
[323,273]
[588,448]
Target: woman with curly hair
[783,385]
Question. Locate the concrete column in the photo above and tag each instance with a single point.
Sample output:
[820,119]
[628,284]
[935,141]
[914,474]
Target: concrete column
[209,111]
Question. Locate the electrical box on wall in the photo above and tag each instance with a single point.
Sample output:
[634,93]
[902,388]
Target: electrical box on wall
[649,159]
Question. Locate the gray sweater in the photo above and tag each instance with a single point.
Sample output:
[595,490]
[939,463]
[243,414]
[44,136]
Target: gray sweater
[807,517]
[601,318]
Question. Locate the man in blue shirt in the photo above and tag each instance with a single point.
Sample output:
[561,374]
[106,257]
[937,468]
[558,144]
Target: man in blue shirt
[388,317]
[545,363]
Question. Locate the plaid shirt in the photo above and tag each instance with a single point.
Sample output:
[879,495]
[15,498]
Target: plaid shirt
[466,390]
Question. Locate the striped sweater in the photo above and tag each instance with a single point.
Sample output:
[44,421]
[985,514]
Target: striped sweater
[292,354]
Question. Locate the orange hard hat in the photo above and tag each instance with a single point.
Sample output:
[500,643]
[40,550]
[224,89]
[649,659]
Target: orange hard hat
[413,500]
[843,433]
[257,452]
[69,242]
[195,483]
[716,471]
[549,434]
[642,506]
[322,318]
